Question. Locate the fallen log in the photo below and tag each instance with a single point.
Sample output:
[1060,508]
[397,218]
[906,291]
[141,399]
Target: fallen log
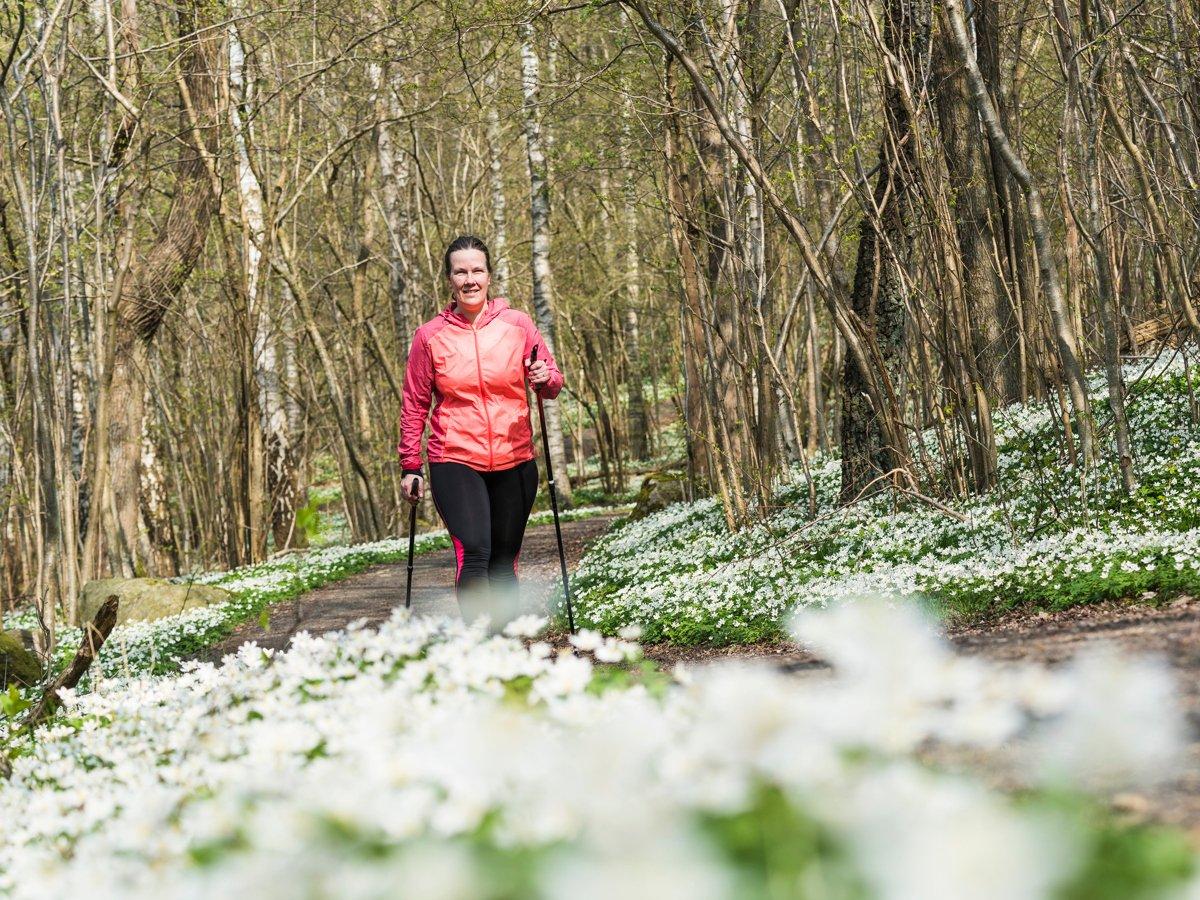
[94,637]
[1157,331]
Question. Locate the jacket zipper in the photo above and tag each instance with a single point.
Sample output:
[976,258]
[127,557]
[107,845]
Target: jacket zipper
[487,416]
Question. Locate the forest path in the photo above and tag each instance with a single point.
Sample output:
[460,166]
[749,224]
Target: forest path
[374,593]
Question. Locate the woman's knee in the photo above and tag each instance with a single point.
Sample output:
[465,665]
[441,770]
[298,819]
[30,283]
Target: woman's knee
[471,556]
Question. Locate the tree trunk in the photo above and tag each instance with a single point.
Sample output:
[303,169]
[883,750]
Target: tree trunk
[680,201]
[1064,331]
[156,276]
[639,432]
[885,242]
[394,176]
[539,207]
[499,241]
[987,307]
[1011,229]
[158,544]
[1082,94]
[279,469]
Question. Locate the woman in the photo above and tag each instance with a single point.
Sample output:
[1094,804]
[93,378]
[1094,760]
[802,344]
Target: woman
[472,362]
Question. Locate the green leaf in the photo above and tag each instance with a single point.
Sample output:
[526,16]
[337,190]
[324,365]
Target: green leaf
[308,517]
[13,704]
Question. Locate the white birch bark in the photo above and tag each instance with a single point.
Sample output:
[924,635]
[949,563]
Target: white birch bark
[156,538]
[539,206]
[499,237]
[395,170]
[278,446]
[291,361]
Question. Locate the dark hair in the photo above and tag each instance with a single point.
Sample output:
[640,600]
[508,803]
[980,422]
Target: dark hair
[466,242]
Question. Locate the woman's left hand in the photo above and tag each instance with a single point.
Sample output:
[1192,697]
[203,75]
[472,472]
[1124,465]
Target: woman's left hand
[538,372]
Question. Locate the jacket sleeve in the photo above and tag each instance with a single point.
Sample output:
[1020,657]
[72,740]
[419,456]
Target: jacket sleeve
[533,338]
[418,394]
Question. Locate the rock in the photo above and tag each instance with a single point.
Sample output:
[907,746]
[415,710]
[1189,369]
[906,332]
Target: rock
[17,664]
[147,598]
[25,636]
[658,491]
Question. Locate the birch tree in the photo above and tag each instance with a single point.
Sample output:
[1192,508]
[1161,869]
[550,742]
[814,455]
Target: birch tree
[539,214]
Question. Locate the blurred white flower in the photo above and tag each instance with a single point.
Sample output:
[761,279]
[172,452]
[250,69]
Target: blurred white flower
[433,870]
[1120,724]
[674,866]
[525,626]
[370,764]
[566,675]
[586,640]
[919,837]
[611,651]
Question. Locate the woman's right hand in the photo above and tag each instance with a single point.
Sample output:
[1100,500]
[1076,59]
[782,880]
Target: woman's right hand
[413,487]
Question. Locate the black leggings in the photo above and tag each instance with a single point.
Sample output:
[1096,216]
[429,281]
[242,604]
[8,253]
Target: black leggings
[485,513]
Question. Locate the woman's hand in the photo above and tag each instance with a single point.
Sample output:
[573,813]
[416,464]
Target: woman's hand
[413,487]
[538,372]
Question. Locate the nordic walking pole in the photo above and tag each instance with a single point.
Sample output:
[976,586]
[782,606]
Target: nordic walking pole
[412,540]
[562,556]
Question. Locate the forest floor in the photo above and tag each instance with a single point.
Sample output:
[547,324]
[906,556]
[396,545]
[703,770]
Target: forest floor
[1170,631]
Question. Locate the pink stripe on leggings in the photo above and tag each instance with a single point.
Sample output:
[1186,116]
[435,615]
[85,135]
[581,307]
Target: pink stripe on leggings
[458,557]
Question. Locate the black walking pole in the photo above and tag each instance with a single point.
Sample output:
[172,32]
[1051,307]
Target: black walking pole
[412,539]
[562,556]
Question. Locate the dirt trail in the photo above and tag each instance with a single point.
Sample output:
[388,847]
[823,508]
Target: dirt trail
[373,594]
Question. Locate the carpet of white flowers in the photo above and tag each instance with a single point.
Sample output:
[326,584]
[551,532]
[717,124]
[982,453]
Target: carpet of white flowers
[429,760]
[158,646]
[1044,537]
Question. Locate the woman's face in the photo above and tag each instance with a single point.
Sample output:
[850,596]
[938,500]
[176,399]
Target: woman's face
[469,279]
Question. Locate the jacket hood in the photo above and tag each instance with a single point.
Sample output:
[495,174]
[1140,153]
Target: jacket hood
[495,306]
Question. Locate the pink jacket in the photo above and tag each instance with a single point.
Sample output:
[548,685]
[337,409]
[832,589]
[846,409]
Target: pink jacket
[475,379]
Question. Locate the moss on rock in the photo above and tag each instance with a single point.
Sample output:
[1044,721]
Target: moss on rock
[658,491]
[17,664]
